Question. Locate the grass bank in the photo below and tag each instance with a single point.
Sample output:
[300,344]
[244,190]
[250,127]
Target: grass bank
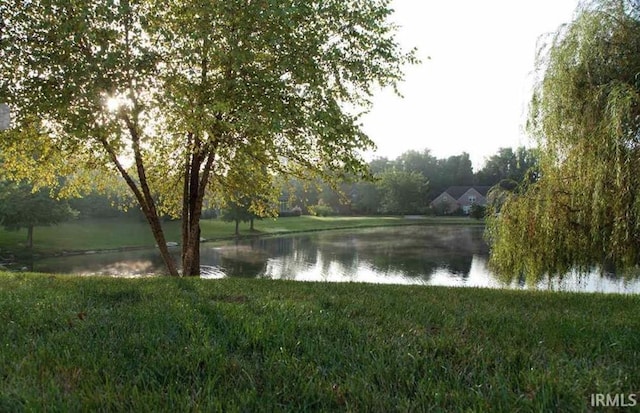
[84,344]
[100,234]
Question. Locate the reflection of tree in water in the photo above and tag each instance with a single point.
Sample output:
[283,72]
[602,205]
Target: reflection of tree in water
[577,279]
[239,268]
[242,260]
[121,263]
[297,248]
[413,251]
[288,256]
[459,265]
[345,254]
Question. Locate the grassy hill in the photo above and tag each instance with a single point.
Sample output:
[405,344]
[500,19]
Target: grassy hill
[164,344]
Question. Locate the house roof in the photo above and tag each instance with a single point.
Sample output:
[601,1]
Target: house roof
[457,191]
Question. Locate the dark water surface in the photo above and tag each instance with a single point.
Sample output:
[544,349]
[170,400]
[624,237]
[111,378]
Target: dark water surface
[427,255]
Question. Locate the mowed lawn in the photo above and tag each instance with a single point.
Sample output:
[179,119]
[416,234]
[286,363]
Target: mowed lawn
[234,345]
[97,234]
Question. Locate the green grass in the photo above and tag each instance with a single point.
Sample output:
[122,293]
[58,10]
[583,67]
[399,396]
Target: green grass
[99,234]
[164,344]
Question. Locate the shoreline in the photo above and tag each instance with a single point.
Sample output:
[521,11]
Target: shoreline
[406,221]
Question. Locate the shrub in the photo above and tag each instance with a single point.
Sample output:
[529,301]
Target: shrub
[321,210]
[477,211]
[293,212]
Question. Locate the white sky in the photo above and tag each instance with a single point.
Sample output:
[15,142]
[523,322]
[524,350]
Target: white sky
[472,95]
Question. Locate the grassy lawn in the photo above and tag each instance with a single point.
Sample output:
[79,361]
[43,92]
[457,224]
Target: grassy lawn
[100,234]
[162,344]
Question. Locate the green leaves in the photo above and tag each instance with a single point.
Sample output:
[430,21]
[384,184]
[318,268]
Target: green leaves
[585,114]
[224,84]
[22,207]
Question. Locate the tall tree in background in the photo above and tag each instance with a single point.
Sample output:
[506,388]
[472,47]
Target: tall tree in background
[415,161]
[403,192]
[515,165]
[175,97]
[585,209]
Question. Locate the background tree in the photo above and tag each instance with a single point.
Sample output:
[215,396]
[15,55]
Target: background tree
[585,112]
[368,198]
[509,164]
[21,207]
[415,161]
[381,164]
[460,169]
[237,212]
[452,171]
[171,97]
[403,192]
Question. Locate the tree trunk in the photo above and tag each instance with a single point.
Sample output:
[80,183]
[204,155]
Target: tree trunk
[30,237]
[237,227]
[191,216]
[142,193]
[251,224]
[195,183]
[158,235]
[191,251]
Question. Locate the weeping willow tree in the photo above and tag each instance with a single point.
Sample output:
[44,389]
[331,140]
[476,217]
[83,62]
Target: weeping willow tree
[584,211]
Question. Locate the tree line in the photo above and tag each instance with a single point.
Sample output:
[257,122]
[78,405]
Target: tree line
[407,184]
[404,185]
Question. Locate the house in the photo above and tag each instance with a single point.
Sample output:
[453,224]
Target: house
[460,197]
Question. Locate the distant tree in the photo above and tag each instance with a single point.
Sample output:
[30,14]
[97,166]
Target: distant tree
[585,207]
[20,207]
[415,161]
[403,192]
[367,197]
[381,164]
[237,212]
[509,164]
[440,173]
[452,171]
[95,205]
[459,169]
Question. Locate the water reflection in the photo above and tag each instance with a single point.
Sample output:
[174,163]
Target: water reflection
[121,264]
[428,255]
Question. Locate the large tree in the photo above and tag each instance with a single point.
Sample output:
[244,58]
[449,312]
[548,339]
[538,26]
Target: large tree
[585,112]
[183,98]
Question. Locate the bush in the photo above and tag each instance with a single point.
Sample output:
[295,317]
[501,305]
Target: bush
[210,213]
[477,211]
[321,210]
[293,212]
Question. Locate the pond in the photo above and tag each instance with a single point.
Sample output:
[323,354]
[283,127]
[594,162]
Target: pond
[425,255]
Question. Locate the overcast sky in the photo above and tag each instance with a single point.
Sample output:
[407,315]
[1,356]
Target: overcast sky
[471,95]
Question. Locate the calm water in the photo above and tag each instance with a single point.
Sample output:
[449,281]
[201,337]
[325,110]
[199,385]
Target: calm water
[427,255]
